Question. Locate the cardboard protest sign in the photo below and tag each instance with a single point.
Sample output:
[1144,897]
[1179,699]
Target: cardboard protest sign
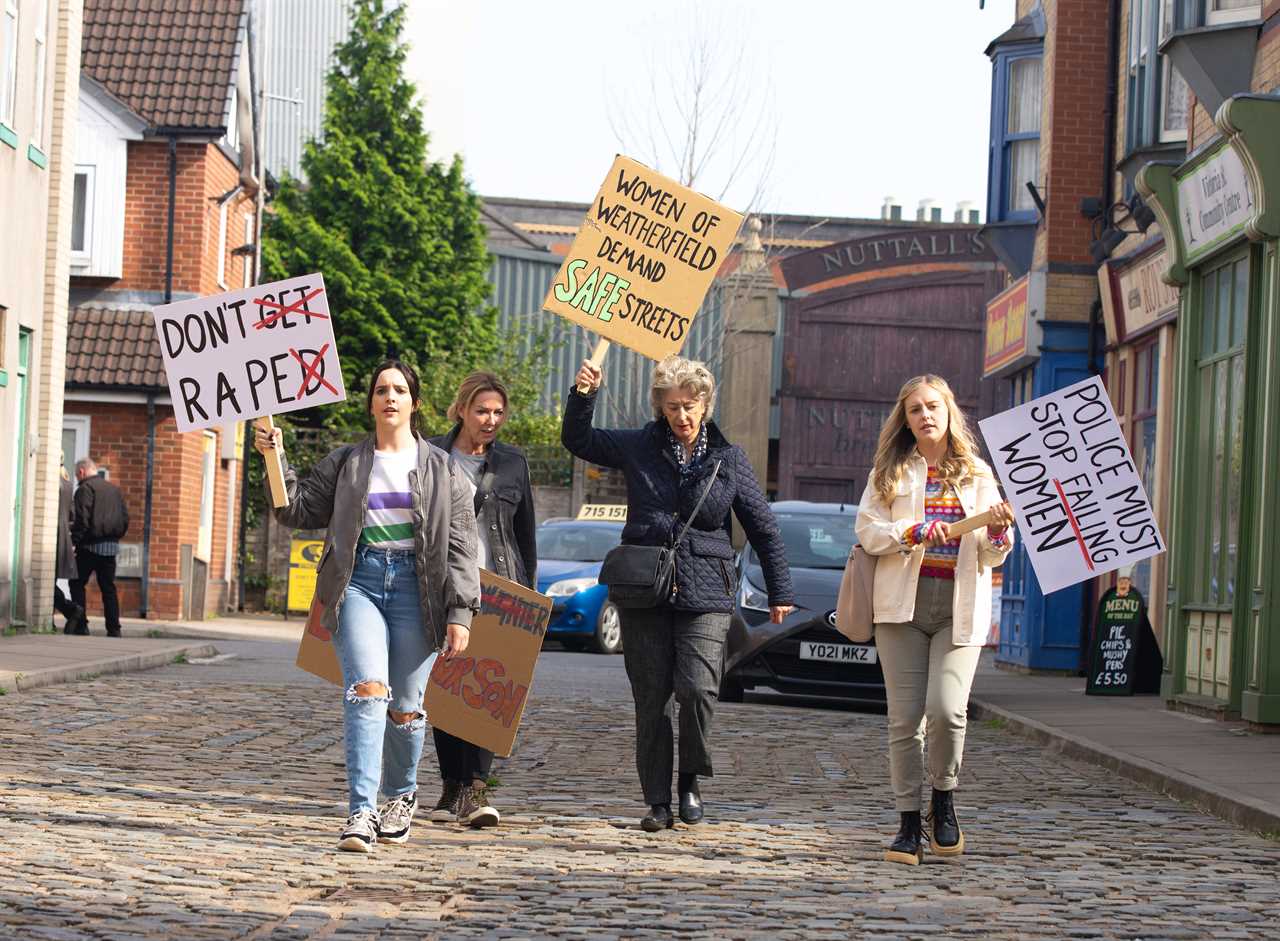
[1081,507]
[257,351]
[480,695]
[643,260]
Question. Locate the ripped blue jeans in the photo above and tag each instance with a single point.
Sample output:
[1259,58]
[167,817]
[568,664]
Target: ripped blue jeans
[380,639]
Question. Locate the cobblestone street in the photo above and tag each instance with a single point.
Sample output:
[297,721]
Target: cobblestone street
[203,801]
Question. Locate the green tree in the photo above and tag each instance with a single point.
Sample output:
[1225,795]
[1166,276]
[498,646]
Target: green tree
[397,237]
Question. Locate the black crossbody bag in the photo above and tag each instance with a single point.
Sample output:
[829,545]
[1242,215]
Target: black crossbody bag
[643,576]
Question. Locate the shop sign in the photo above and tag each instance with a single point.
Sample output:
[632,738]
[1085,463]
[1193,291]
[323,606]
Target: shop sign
[1007,315]
[1136,297]
[304,561]
[1214,203]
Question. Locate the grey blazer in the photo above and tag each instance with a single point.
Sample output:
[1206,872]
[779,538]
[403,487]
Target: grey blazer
[334,496]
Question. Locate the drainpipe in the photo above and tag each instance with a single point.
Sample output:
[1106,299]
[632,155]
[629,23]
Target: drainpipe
[173,198]
[144,590]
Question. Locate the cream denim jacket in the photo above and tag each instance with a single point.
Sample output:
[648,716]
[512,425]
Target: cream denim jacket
[880,530]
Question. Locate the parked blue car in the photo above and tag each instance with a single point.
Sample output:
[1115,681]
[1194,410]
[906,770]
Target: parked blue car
[569,556]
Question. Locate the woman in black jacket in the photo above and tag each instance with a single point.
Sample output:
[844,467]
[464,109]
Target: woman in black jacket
[503,499]
[674,649]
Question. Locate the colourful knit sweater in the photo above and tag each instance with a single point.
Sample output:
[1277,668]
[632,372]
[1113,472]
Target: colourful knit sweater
[941,505]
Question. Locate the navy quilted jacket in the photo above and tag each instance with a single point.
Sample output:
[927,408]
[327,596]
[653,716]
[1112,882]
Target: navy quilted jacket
[658,505]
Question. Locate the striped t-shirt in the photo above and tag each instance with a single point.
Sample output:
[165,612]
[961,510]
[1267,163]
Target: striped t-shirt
[940,505]
[388,521]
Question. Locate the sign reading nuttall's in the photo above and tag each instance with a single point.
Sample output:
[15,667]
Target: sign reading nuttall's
[813,269]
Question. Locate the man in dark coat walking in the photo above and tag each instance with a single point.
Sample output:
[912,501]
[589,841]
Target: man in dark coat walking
[100,519]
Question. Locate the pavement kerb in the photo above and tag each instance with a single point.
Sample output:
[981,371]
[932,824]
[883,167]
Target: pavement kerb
[1231,807]
[87,669]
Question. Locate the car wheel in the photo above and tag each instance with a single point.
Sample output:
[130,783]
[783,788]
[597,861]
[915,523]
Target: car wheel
[730,690]
[608,638]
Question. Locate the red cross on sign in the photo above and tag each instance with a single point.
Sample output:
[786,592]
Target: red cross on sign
[310,372]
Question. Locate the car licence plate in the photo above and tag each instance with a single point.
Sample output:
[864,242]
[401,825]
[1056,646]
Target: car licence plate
[839,653]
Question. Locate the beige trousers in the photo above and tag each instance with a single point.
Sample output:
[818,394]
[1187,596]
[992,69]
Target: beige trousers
[927,680]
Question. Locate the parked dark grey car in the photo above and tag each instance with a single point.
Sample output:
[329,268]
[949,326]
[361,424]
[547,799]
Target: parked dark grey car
[804,655]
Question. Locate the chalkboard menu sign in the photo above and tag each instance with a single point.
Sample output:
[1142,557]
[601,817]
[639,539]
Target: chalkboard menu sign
[1123,656]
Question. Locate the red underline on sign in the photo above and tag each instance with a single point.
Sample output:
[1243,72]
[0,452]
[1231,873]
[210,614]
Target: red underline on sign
[1070,516]
[284,311]
[309,373]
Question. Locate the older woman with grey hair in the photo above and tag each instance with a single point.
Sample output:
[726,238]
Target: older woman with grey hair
[673,649]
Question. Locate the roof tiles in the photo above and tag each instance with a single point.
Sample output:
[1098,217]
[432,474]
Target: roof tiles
[107,347]
[171,61]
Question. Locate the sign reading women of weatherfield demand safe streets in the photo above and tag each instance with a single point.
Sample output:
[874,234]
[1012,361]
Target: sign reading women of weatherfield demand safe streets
[1081,508]
[643,260]
[258,351]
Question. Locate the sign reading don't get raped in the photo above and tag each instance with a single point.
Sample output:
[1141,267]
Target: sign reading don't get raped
[248,353]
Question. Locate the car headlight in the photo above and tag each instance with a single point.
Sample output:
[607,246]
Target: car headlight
[570,586]
[752,598]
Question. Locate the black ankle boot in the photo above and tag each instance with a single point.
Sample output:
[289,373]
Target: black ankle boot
[908,846]
[945,836]
[658,818]
[690,800]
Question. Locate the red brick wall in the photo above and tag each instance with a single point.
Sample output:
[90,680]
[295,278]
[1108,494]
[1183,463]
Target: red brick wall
[118,441]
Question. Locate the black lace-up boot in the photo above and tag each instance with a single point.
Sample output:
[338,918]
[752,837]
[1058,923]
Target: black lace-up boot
[908,846]
[945,835]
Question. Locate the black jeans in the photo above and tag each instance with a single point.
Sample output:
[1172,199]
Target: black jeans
[459,759]
[104,566]
[672,657]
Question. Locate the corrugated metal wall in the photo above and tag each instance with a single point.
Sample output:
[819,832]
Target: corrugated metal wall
[521,279]
[298,38]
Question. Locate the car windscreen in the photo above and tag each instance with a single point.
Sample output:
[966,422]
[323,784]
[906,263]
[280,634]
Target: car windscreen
[577,543]
[814,540]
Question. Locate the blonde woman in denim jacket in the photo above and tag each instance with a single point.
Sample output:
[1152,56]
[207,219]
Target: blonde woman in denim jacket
[932,597]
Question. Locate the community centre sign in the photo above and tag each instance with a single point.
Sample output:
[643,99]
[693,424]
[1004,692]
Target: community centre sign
[249,353]
[643,260]
[1081,508]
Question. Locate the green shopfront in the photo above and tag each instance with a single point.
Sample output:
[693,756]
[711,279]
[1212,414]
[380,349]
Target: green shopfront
[1221,214]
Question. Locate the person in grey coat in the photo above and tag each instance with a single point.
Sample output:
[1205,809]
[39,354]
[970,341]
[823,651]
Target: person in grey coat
[65,564]
[398,581]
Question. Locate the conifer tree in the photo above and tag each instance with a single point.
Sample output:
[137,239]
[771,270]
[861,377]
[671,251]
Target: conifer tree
[398,238]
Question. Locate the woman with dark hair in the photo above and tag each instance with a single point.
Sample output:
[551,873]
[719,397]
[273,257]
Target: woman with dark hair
[498,477]
[398,582]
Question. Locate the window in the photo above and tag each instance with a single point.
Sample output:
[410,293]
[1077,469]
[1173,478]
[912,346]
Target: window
[1015,135]
[82,214]
[9,64]
[247,259]
[1231,11]
[222,245]
[1146,380]
[42,25]
[1156,102]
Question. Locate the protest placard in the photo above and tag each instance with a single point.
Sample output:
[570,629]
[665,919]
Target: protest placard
[1081,508]
[480,695]
[248,353]
[643,260]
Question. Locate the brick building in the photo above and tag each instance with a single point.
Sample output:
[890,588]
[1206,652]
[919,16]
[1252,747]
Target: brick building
[166,207]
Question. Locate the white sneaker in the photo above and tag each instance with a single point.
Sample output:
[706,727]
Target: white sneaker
[395,818]
[360,832]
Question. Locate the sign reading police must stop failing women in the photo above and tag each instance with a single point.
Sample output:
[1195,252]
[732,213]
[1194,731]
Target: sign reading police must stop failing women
[1079,502]
[248,353]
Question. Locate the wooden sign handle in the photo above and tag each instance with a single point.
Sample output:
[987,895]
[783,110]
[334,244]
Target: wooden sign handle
[597,360]
[275,467]
[970,523]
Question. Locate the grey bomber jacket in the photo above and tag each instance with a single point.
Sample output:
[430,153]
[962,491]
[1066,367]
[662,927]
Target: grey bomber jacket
[334,496]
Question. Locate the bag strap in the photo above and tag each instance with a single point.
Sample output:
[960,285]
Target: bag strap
[698,506]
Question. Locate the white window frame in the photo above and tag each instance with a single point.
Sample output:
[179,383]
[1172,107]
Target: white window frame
[1163,133]
[81,428]
[247,260]
[42,28]
[84,255]
[232,136]
[1214,17]
[10,39]
[222,246]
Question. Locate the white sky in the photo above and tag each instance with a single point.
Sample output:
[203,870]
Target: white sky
[869,99]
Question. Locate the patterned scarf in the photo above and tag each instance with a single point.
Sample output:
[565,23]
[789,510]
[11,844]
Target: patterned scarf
[687,467]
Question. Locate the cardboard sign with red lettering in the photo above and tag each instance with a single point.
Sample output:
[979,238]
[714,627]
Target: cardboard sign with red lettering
[480,695]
